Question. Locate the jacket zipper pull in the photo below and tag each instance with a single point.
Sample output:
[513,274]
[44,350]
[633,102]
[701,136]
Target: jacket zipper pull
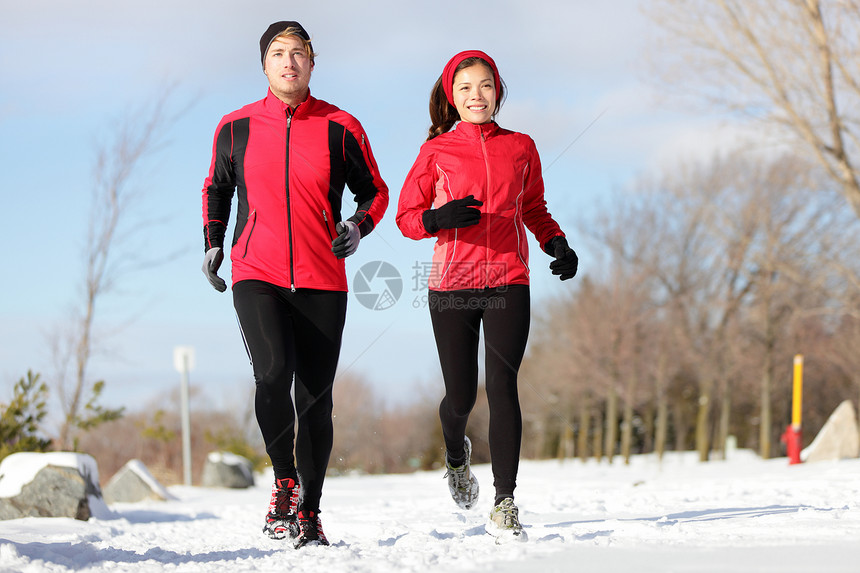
[327,228]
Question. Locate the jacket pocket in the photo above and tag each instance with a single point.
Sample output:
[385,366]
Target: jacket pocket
[329,226]
[252,222]
[448,255]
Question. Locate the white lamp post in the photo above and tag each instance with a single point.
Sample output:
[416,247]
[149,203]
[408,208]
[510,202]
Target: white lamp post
[183,361]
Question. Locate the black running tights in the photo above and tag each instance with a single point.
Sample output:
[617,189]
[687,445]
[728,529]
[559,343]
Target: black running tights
[289,333]
[457,318]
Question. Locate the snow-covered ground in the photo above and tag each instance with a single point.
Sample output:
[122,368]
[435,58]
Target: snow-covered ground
[744,514]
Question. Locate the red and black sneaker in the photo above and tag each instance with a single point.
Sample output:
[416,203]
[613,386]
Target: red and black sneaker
[281,518]
[310,530]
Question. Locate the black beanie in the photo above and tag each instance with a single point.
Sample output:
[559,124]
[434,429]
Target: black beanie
[276,29]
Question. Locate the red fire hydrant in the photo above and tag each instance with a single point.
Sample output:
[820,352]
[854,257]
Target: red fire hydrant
[791,439]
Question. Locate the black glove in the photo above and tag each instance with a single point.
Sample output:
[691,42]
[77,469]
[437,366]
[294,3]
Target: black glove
[566,262]
[211,263]
[454,214]
[347,240]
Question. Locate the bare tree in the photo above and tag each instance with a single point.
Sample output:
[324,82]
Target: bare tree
[358,429]
[373,437]
[732,239]
[664,232]
[792,64]
[728,268]
[840,259]
[108,257]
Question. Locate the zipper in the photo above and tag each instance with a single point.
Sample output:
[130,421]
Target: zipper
[327,227]
[289,210]
[366,154]
[518,221]
[253,217]
[487,193]
[448,262]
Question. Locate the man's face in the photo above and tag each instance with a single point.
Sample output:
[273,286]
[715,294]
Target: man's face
[288,68]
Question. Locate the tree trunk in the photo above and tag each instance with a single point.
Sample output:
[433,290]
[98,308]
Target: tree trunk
[648,421]
[680,426]
[598,436]
[725,419]
[627,425]
[565,441]
[765,413]
[584,426]
[703,423]
[611,423]
[662,424]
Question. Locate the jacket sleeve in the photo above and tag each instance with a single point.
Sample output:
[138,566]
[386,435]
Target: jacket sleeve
[218,188]
[417,196]
[535,213]
[364,180]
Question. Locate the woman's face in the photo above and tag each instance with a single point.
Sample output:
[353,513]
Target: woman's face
[475,94]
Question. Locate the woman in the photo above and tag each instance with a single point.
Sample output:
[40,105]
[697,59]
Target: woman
[475,189]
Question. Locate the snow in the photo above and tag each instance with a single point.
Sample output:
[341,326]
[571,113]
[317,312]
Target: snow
[17,470]
[744,514]
[227,458]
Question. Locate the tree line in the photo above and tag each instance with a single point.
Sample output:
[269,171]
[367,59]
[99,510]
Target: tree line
[714,277]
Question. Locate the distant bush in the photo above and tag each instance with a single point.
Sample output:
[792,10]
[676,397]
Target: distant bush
[233,441]
[21,419]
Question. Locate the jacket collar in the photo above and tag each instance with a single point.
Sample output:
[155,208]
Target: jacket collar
[474,131]
[275,105]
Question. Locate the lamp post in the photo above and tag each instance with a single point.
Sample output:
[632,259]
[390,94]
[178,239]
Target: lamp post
[183,361]
[791,437]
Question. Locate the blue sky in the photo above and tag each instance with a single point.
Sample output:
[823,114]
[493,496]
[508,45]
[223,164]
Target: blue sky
[71,70]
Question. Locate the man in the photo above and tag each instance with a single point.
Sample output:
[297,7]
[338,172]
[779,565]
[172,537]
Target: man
[289,156]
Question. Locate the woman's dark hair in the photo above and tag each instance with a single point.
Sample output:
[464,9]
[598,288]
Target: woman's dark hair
[443,115]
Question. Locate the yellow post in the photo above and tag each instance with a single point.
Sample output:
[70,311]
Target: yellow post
[797,397]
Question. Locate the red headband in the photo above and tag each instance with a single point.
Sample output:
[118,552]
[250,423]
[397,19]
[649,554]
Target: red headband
[448,72]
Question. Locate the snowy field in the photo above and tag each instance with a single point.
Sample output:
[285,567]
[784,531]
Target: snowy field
[744,514]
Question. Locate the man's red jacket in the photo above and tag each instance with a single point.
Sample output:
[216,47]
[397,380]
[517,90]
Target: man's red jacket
[289,168]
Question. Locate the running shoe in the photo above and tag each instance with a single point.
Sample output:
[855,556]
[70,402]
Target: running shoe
[504,523]
[310,530]
[281,518]
[462,484]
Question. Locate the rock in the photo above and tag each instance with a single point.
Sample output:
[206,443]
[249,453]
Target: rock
[133,483]
[838,438]
[224,469]
[49,485]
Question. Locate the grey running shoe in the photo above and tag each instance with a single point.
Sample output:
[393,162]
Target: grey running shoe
[461,482]
[504,523]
